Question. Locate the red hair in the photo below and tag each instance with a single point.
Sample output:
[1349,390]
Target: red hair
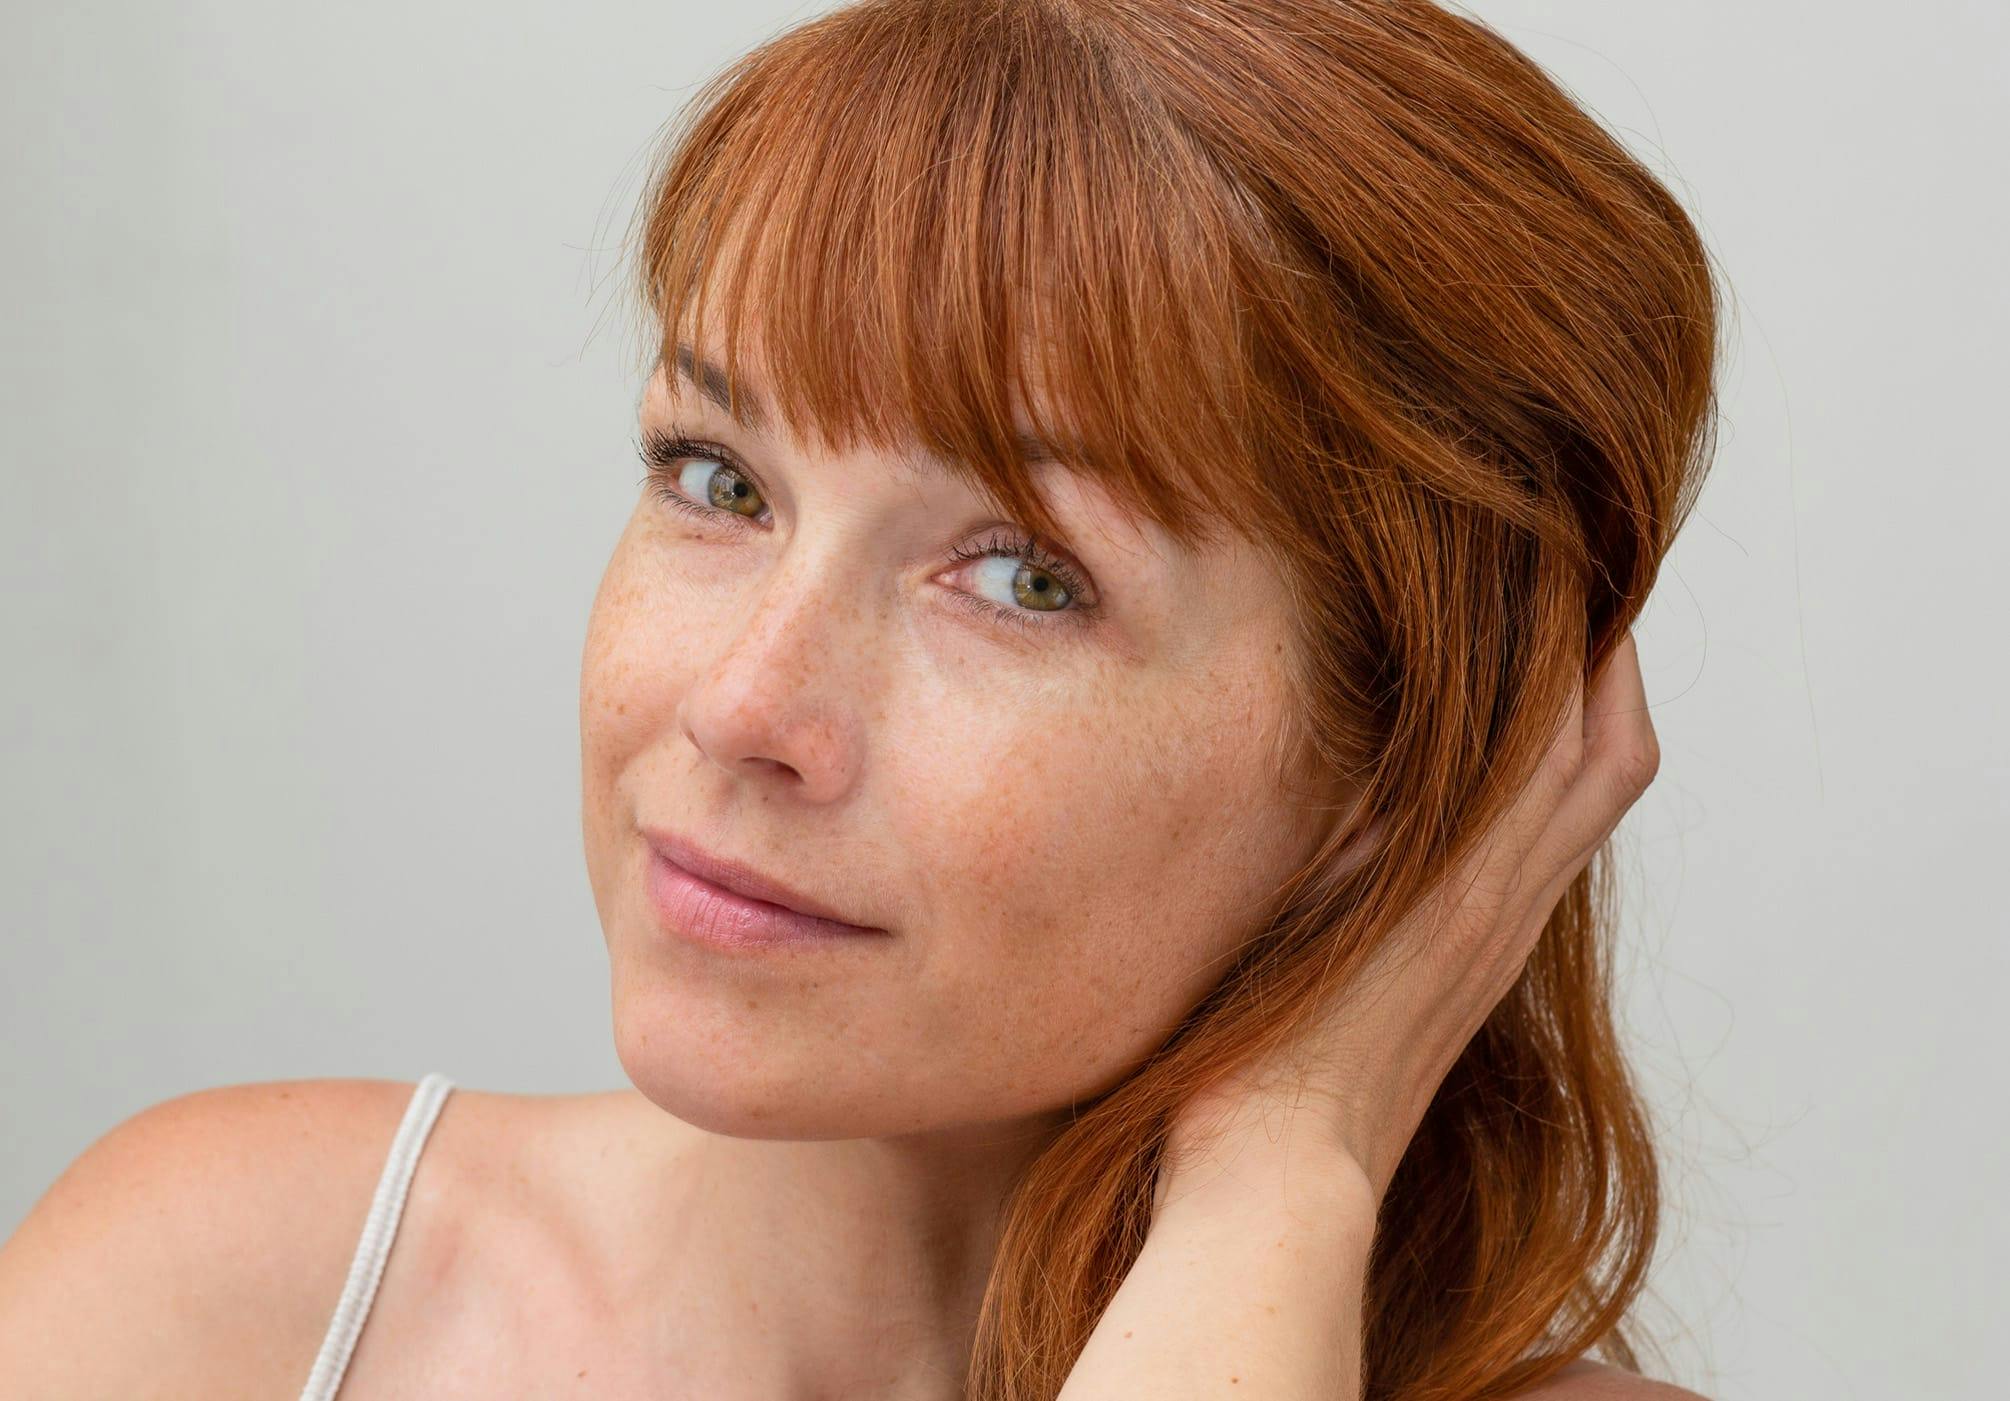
[1356,280]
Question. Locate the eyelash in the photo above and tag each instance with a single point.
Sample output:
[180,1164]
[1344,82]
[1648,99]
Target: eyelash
[662,451]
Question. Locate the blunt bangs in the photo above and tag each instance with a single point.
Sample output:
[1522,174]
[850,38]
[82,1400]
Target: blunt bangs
[936,221]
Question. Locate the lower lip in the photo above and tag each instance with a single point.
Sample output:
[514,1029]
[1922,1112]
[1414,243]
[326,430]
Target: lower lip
[707,914]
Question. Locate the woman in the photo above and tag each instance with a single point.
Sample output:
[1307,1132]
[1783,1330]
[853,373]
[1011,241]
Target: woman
[1145,502]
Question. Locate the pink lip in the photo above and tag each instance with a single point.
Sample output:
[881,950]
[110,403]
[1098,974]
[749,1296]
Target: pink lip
[724,903]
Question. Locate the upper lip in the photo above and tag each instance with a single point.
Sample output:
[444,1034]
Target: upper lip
[737,876]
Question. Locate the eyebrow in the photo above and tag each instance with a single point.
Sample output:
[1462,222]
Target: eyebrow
[709,380]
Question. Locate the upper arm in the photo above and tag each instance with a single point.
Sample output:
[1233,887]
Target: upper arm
[1585,1380]
[198,1247]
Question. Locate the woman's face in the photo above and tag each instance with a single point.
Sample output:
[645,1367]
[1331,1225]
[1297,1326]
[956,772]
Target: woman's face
[1063,819]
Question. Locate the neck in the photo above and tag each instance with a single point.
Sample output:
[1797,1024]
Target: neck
[836,1268]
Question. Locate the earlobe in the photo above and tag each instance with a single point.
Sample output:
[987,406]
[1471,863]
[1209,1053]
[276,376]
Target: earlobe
[1365,843]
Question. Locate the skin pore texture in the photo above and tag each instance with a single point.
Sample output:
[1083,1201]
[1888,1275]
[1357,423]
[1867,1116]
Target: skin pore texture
[1063,827]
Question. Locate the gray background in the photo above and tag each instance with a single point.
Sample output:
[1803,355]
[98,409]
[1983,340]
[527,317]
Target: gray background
[316,434]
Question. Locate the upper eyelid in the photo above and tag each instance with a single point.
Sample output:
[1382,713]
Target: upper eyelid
[661,446]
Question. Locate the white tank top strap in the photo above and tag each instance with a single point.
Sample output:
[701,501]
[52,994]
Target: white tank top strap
[366,1268]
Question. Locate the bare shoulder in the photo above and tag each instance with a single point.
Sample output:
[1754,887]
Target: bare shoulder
[513,1248]
[197,1247]
[1585,1380]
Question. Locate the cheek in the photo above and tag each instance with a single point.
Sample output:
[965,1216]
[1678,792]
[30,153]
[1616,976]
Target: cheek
[635,662]
[1085,882]
[613,646]
[627,682]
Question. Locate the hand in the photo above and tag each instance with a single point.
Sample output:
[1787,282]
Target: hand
[1374,1059]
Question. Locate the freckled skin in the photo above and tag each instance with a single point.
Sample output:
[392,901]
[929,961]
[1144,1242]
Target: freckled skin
[1064,828]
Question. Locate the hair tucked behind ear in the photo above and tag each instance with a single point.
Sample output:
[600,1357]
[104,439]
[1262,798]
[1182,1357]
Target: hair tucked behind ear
[1356,280]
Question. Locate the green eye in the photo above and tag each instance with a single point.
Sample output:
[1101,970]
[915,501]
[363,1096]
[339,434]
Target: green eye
[727,489]
[678,468]
[1024,583]
[1017,579]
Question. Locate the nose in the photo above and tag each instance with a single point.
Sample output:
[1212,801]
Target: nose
[777,702]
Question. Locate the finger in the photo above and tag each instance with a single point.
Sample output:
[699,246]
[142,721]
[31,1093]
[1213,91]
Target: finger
[1598,780]
[1534,808]
[1618,716]
[1510,863]
[1621,754]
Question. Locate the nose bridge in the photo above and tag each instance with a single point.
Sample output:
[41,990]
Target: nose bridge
[786,684]
[799,615]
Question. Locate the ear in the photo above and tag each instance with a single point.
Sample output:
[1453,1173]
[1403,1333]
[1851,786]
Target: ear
[1364,840]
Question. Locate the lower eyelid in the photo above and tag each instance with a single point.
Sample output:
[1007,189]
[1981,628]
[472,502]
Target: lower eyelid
[1026,619]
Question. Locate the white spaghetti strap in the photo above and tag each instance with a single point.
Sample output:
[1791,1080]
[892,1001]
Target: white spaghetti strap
[367,1267]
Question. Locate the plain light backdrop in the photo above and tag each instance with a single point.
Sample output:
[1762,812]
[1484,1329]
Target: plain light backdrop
[318,400]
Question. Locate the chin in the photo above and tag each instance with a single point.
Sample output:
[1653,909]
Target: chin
[747,1082]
